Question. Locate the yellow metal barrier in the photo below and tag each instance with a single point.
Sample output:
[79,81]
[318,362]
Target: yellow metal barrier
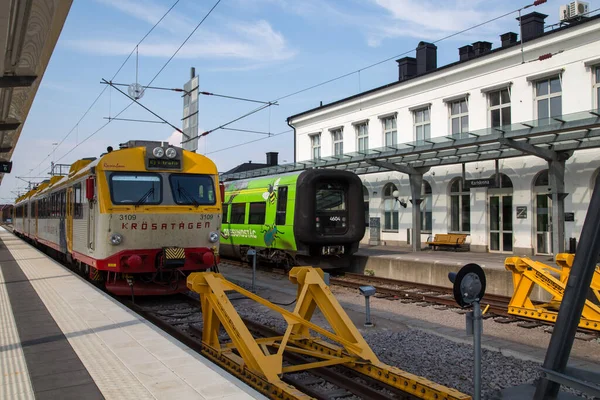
[527,273]
[259,362]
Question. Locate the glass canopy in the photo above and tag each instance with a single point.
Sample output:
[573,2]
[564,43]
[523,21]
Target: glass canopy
[542,138]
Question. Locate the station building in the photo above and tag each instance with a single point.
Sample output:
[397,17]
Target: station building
[500,145]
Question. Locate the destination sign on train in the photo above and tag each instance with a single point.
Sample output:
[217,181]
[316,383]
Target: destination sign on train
[164,164]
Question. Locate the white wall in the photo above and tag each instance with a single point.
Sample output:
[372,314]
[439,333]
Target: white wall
[576,46]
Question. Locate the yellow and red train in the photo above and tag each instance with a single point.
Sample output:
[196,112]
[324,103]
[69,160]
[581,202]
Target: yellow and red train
[136,220]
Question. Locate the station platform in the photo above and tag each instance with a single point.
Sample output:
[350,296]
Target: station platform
[432,267]
[62,338]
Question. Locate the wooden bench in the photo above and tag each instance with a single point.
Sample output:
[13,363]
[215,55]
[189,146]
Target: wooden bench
[454,240]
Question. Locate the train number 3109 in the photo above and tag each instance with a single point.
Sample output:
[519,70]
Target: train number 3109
[127,217]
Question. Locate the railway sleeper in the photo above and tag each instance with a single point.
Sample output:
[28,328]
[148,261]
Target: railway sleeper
[263,359]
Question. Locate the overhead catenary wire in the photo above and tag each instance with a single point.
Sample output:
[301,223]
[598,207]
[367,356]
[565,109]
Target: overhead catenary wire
[106,87]
[151,81]
[535,3]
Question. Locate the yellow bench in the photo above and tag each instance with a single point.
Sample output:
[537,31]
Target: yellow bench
[447,239]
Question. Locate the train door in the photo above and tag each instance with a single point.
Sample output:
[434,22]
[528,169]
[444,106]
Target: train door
[37,210]
[69,220]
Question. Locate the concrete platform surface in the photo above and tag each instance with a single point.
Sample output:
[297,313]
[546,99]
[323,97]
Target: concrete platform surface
[62,338]
[432,267]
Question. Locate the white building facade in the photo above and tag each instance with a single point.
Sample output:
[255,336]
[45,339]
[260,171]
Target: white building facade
[487,89]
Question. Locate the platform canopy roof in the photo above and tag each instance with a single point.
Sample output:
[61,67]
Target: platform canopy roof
[29,30]
[551,139]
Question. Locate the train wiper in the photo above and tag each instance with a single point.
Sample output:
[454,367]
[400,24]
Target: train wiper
[145,196]
[182,190]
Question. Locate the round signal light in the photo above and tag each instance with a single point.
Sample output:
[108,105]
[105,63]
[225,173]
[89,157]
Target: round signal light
[158,152]
[134,261]
[171,152]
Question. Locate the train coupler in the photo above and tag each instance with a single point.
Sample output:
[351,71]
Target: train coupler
[260,362]
[527,273]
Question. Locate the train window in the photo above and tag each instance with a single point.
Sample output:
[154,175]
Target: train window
[135,188]
[238,213]
[193,189]
[78,209]
[63,205]
[330,197]
[257,213]
[282,192]
[225,212]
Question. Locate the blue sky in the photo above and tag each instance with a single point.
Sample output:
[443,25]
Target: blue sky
[261,49]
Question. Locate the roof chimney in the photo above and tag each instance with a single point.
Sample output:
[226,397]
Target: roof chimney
[426,57]
[466,52]
[508,38]
[272,158]
[481,47]
[532,25]
[407,68]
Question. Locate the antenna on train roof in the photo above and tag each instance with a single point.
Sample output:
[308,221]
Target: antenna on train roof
[109,149]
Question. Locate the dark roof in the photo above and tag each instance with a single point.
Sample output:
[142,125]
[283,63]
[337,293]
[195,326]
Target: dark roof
[246,167]
[497,50]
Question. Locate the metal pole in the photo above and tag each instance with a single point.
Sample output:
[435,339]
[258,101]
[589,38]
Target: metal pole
[574,298]
[477,331]
[253,272]
[368,311]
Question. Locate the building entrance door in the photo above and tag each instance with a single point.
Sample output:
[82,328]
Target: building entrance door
[500,201]
[501,224]
[543,215]
[543,224]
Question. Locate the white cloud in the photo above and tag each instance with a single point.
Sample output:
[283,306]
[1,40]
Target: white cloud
[251,42]
[431,20]
[175,139]
[254,41]
[151,12]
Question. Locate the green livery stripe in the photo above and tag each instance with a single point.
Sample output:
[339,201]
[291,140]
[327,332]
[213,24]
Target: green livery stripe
[264,191]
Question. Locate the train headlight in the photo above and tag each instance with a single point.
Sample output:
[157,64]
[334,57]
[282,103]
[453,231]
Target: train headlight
[158,152]
[171,152]
[116,239]
[213,237]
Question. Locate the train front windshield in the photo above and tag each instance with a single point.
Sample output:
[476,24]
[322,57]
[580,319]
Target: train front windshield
[135,188]
[193,189]
[330,210]
[331,197]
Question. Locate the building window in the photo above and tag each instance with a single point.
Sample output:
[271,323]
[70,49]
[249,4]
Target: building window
[597,86]
[390,133]
[426,208]
[362,137]
[460,206]
[390,206]
[499,103]
[422,125]
[338,142]
[459,116]
[548,96]
[315,143]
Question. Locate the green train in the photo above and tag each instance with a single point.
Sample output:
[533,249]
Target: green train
[314,217]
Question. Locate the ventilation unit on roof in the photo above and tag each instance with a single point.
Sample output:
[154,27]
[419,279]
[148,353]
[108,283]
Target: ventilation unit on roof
[573,10]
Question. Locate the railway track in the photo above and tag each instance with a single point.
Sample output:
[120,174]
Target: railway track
[397,290]
[413,292]
[180,315]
